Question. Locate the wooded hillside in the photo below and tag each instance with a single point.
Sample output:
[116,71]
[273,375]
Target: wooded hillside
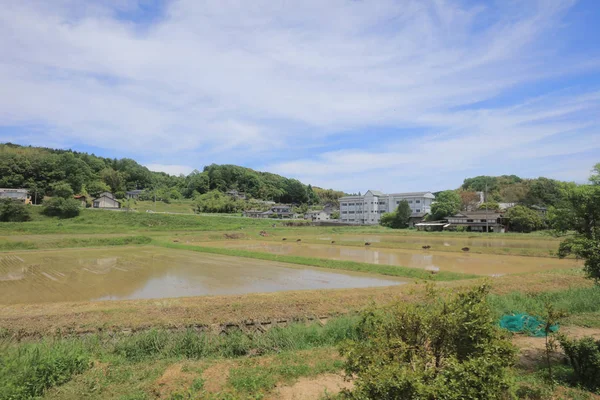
[40,169]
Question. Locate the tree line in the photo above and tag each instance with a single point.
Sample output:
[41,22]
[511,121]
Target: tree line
[41,170]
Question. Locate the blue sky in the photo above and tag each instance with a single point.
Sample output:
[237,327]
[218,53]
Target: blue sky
[400,95]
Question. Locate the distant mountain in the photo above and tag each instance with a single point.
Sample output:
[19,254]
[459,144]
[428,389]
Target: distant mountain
[39,168]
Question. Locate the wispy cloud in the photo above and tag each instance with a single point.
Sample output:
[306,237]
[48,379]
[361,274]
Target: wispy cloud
[344,92]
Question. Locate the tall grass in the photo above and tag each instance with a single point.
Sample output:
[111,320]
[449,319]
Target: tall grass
[28,370]
[197,345]
[573,301]
[390,270]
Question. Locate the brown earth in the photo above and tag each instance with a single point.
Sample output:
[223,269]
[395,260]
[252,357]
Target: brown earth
[312,388]
[172,380]
[215,377]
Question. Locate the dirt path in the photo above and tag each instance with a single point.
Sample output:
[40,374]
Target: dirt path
[312,388]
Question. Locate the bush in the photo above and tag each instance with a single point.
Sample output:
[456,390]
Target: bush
[13,211]
[584,357]
[62,208]
[439,349]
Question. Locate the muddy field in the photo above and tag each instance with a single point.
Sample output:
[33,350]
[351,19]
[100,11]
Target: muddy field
[152,273]
[479,264]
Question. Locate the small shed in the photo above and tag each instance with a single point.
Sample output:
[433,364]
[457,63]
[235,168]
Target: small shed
[106,200]
[82,199]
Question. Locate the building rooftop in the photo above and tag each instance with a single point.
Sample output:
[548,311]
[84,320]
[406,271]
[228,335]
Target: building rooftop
[477,214]
[414,194]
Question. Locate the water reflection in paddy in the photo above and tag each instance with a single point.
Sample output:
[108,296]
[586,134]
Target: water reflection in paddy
[81,275]
[481,264]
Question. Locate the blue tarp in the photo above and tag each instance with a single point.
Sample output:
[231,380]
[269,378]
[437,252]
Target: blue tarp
[525,323]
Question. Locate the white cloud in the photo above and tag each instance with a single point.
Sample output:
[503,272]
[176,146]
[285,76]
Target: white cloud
[236,80]
[170,169]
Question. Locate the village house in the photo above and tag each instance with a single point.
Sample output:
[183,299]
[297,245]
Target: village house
[133,194]
[106,200]
[317,215]
[278,211]
[15,194]
[367,209]
[477,221]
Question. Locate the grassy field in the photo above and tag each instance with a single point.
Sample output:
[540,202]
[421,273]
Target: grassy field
[276,343]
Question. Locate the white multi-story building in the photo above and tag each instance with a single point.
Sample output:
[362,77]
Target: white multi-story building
[367,209]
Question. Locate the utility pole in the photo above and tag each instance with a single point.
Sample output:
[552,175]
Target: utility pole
[487,228]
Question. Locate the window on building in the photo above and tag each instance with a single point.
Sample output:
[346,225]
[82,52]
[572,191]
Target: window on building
[344,212]
[351,212]
[469,220]
[483,220]
[410,202]
[418,210]
[398,202]
[417,201]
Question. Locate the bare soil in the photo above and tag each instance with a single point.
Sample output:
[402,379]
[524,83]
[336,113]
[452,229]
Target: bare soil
[312,388]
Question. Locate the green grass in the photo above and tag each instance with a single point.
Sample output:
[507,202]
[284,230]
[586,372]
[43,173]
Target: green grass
[104,221]
[193,345]
[29,370]
[251,378]
[6,245]
[575,302]
[390,270]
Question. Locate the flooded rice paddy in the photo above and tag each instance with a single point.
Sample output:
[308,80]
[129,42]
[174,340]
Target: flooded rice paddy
[494,242]
[144,273]
[480,264]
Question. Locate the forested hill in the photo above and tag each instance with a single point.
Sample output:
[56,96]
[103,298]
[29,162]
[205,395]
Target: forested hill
[39,169]
[513,189]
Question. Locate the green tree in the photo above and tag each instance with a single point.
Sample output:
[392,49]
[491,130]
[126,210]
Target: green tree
[580,211]
[446,203]
[398,219]
[523,219]
[489,205]
[437,348]
[94,188]
[217,202]
[114,179]
[61,207]
[335,215]
[63,190]
[595,177]
[13,211]
[197,182]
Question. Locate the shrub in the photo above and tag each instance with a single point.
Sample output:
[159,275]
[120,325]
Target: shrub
[584,357]
[13,211]
[62,208]
[448,349]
